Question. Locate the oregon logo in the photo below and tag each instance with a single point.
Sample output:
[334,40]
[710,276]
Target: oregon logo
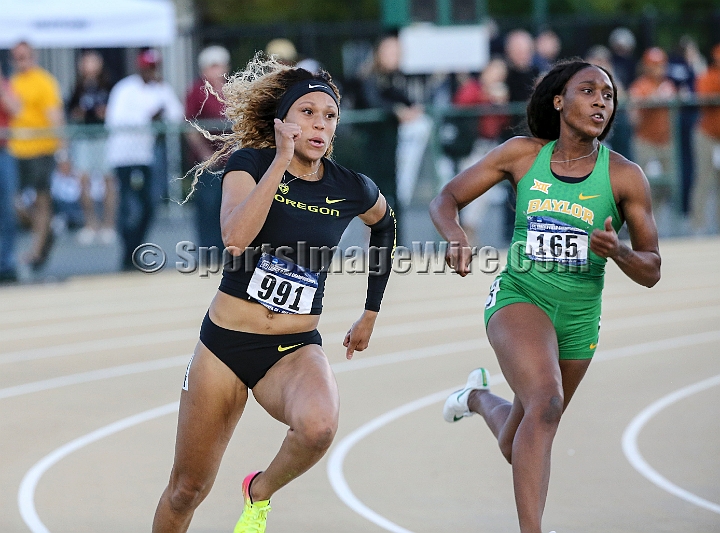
[305,207]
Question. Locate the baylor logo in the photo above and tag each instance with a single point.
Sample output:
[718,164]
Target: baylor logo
[540,186]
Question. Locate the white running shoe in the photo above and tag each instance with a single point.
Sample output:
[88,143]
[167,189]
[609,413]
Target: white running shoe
[456,407]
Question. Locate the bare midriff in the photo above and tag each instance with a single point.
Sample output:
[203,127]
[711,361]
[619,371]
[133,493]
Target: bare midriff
[230,312]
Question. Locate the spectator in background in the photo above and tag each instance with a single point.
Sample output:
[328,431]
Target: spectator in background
[66,189]
[681,70]
[87,107]
[385,87]
[38,107]
[707,147]
[283,50]
[135,104]
[8,188]
[202,103]
[490,89]
[547,50]
[521,72]
[652,144]
[621,131]
[521,77]
[622,45]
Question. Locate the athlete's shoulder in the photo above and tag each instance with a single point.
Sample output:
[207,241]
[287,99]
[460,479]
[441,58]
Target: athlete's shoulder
[516,155]
[363,187]
[622,167]
[254,161]
[625,175]
[521,146]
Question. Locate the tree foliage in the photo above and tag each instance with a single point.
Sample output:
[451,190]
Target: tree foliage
[270,11]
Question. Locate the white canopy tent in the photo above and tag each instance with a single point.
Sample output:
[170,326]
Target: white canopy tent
[87,23]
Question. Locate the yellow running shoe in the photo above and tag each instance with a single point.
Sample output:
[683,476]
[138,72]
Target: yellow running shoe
[254,515]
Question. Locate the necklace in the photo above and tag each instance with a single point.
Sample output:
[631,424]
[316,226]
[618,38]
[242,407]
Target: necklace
[285,186]
[577,158]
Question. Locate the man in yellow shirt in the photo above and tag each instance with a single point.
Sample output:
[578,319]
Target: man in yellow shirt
[37,114]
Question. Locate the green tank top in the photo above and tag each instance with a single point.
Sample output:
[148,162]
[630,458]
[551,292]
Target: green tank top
[553,223]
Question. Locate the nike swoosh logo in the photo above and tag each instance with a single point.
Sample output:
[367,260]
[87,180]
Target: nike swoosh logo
[593,346]
[315,86]
[328,200]
[583,197]
[456,418]
[282,348]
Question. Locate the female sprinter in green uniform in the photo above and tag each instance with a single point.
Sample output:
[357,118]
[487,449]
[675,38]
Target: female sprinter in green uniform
[281,198]
[543,312]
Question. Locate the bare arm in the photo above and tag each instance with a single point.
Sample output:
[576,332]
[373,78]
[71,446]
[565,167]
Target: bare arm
[641,260]
[9,101]
[245,205]
[508,161]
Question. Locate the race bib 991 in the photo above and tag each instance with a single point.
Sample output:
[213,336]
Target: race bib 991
[549,239]
[283,287]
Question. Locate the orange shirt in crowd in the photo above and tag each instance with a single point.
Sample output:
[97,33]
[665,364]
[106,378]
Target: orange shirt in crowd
[709,85]
[653,124]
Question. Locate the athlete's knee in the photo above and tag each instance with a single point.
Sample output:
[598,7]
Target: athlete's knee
[547,409]
[185,493]
[316,433]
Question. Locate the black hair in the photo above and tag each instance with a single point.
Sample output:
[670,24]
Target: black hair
[542,117]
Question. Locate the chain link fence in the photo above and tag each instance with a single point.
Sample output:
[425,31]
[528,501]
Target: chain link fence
[85,184]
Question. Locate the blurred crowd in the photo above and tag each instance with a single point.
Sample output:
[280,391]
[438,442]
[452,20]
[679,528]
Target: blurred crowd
[94,164]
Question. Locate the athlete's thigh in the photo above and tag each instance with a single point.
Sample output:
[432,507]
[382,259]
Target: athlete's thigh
[525,343]
[573,371]
[209,411]
[301,384]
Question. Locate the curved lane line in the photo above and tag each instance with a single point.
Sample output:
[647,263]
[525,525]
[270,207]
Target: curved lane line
[632,453]
[342,448]
[335,462]
[27,488]
[26,494]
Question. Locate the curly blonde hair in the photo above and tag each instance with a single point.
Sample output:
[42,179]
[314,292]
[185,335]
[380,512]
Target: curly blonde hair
[250,98]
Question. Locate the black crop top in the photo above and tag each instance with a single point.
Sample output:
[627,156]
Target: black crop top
[308,216]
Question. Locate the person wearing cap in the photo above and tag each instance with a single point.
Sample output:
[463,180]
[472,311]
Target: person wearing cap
[707,146]
[203,104]
[285,205]
[622,45]
[652,142]
[36,116]
[134,105]
[283,50]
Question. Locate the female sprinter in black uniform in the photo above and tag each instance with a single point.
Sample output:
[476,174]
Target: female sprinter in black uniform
[542,319]
[282,200]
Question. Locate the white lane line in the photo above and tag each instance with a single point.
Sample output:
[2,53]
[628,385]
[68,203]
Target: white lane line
[340,451]
[384,331]
[94,375]
[343,447]
[112,343]
[26,497]
[26,494]
[635,458]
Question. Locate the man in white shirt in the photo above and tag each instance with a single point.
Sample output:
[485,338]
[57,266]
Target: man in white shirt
[135,103]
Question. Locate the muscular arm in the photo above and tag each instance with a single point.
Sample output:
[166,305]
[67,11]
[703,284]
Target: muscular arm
[511,160]
[641,260]
[245,205]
